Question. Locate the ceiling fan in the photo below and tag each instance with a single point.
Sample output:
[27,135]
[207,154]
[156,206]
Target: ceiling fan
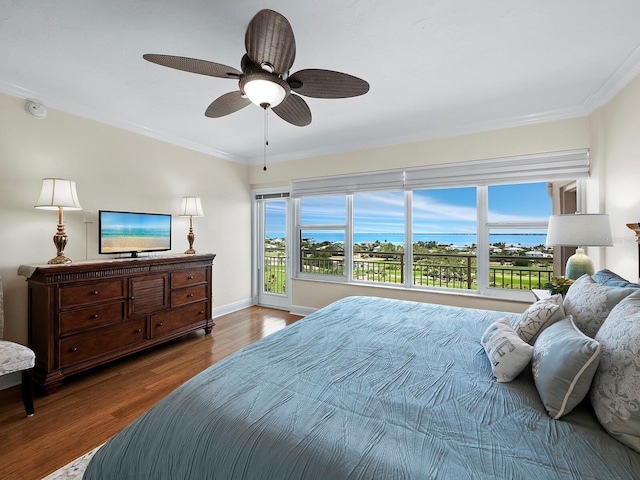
[265,79]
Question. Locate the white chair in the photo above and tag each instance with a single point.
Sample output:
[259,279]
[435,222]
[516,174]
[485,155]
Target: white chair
[17,358]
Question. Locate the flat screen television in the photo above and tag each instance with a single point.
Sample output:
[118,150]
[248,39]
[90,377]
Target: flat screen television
[133,232]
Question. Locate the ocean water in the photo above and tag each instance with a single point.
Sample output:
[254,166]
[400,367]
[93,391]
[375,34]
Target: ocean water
[457,239]
[111,232]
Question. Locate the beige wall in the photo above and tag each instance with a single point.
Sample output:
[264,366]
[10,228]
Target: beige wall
[621,197]
[118,170]
[316,296]
[547,137]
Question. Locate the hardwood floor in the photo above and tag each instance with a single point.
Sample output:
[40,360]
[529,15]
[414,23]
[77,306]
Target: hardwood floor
[91,407]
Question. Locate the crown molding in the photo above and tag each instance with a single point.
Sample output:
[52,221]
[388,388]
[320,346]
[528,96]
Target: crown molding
[444,132]
[92,114]
[615,83]
[629,69]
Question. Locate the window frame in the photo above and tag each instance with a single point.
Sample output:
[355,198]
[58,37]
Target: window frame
[484,228]
[545,167]
[347,228]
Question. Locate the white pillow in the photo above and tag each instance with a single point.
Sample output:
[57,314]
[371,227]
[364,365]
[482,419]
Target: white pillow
[539,316]
[507,352]
[615,393]
[590,303]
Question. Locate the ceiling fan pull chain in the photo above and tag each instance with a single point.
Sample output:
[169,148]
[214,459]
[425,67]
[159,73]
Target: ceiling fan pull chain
[266,137]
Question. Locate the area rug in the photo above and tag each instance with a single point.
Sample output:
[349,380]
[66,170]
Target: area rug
[73,470]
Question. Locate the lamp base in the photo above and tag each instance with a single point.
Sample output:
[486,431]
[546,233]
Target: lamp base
[60,259]
[578,264]
[190,238]
[60,241]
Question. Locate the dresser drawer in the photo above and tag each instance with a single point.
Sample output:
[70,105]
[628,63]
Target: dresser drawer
[72,296]
[76,348]
[167,322]
[148,294]
[191,277]
[92,316]
[187,295]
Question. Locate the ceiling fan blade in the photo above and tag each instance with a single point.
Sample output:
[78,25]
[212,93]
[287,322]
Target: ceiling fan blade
[226,104]
[194,65]
[320,83]
[269,40]
[294,110]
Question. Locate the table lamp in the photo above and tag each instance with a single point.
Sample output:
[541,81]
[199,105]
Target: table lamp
[579,230]
[191,207]
[57,194]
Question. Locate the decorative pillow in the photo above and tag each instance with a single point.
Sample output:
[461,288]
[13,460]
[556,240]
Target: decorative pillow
[539,316]
[611,279]
[507,352]
[590,303]
[564,362]
[615,393]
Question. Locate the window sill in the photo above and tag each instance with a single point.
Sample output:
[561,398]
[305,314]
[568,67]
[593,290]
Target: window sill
[516,296]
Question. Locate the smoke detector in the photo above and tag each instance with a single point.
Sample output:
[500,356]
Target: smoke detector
[35,109]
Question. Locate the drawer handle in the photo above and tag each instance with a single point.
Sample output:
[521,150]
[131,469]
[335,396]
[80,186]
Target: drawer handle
[138,330]
[190,277]
[160,324]
[189,295]
[95,315]
[95,292]
[74,349]
[132,297]
[201,312]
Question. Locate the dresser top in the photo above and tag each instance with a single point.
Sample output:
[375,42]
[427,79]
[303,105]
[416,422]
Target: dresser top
[121,265]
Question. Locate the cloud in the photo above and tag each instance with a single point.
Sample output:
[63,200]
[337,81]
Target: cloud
[439,211]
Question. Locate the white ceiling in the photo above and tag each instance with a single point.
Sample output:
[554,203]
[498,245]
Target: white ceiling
[436,67]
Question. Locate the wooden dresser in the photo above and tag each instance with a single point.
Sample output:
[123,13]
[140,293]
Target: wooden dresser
[87,313]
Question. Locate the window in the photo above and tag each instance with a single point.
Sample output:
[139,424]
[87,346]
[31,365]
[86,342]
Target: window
[517,228]
[445,237]
[378,245]
[322,234]
[329,210]
[274,247]
[477,225]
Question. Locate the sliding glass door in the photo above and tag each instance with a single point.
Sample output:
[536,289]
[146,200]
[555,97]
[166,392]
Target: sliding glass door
[273,266]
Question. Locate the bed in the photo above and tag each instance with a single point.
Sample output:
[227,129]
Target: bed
[365,388]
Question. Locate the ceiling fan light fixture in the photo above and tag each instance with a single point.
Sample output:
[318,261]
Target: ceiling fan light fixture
[267,67]
[264,89]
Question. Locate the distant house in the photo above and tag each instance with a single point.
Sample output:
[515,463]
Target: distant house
[538,254]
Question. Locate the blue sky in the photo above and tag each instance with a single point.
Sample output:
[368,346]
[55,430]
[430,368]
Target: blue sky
[434,211]
[139,220]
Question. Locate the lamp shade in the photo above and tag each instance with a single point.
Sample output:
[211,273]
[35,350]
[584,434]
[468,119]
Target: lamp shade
[579,230]
[264,90]
[57,192]
[191,207]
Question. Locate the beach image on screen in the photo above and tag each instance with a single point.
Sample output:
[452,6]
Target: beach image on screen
[134,232]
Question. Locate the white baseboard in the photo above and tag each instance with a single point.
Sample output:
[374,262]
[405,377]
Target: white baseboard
[231,307]
[303,311]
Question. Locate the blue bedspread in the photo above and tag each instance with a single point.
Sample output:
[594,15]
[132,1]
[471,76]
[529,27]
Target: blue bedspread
[365,388]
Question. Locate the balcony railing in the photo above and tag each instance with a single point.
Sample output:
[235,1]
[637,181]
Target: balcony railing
[428,269]
[275,272]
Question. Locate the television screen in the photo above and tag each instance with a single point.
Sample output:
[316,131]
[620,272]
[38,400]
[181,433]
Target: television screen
[131,232]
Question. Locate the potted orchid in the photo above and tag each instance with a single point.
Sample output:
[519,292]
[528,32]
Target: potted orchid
[558,285]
